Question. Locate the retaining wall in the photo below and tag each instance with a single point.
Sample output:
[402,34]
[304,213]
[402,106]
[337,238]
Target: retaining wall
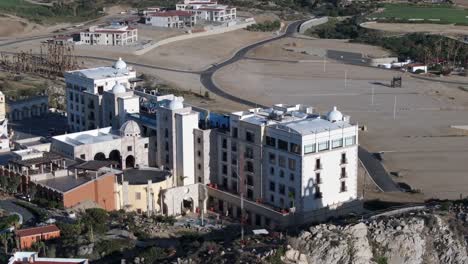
[312,23]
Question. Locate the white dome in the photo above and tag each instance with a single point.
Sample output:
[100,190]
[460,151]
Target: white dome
[120,64]
[177,103]
[334,115]
[130,129]
[118,88]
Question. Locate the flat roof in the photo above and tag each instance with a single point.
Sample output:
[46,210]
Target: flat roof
[141,176]
[67,183]
[99,73]
[94,165]
[313,126]
[89,137]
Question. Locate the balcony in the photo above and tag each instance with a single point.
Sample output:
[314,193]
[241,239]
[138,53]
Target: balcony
[343,175]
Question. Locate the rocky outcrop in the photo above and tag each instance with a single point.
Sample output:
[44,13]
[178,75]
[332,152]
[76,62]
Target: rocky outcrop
[412,239]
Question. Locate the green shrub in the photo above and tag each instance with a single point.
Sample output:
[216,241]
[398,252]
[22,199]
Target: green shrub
[265,26]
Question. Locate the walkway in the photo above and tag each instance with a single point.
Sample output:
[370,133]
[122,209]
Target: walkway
[377,172]
[9,206]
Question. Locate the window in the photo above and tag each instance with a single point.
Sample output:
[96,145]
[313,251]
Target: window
[271,141]
[225,183]
[198,140]
[249,136]
[292,164]
[309,148]
[224,157]
[82,156]
[281,173]
[146,145]
[199,153]
[322,146]
[272,198]
[344,160]
[294,148]
[199,166]
[233,147]
[250,180]
[138,196]
[129,148]
[166,146]
[233,160]
[343,173]
[292,193]
[234,185]
[224,169]
[318,164]
[282,189]
[166,133]
[318,180]
[318,193]
[350,141]
[337,143]
[281,161]
[224,144]
[234,132]
[291,177]
[248,153]
[233,174]
[249,166]
[272,186]
[343,187]
[249,194]
[283,145]
[272,158]
[272,171]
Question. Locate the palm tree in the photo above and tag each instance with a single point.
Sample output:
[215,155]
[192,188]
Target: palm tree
[40,247]
[4,238]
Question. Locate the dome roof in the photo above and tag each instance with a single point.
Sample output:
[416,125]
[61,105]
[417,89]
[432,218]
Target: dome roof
[334,115]
[118,88]
[120,64]
[177,103]
[130,128]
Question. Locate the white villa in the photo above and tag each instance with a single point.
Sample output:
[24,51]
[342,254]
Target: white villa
[208,10]
[112,35]
[171,19]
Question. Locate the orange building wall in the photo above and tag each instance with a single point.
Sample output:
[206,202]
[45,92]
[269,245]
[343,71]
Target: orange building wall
[28,241]
[100,191]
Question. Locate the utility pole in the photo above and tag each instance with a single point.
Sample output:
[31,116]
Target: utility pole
[394,109]
[324,63]
[346,79]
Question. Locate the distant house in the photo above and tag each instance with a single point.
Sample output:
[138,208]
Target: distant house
[171,19]
[208,10]
[24,257]
[28,236]
[113,35]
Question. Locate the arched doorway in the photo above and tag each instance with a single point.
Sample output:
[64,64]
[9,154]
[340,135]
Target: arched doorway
[130,161]
[187,205]
[115,156]
[100,156]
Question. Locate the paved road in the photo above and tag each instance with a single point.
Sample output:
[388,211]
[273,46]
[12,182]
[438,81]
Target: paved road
[9,206]
[206,77]
[377,172]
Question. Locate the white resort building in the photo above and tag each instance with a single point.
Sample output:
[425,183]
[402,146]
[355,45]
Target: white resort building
[208,10]
[112,35]
[4,135]
[290,164]
[171,19]
[87,89]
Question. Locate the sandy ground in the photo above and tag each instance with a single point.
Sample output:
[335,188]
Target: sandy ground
[319,46]
[461,3]
[418,143]
[11,26]
[410,27]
